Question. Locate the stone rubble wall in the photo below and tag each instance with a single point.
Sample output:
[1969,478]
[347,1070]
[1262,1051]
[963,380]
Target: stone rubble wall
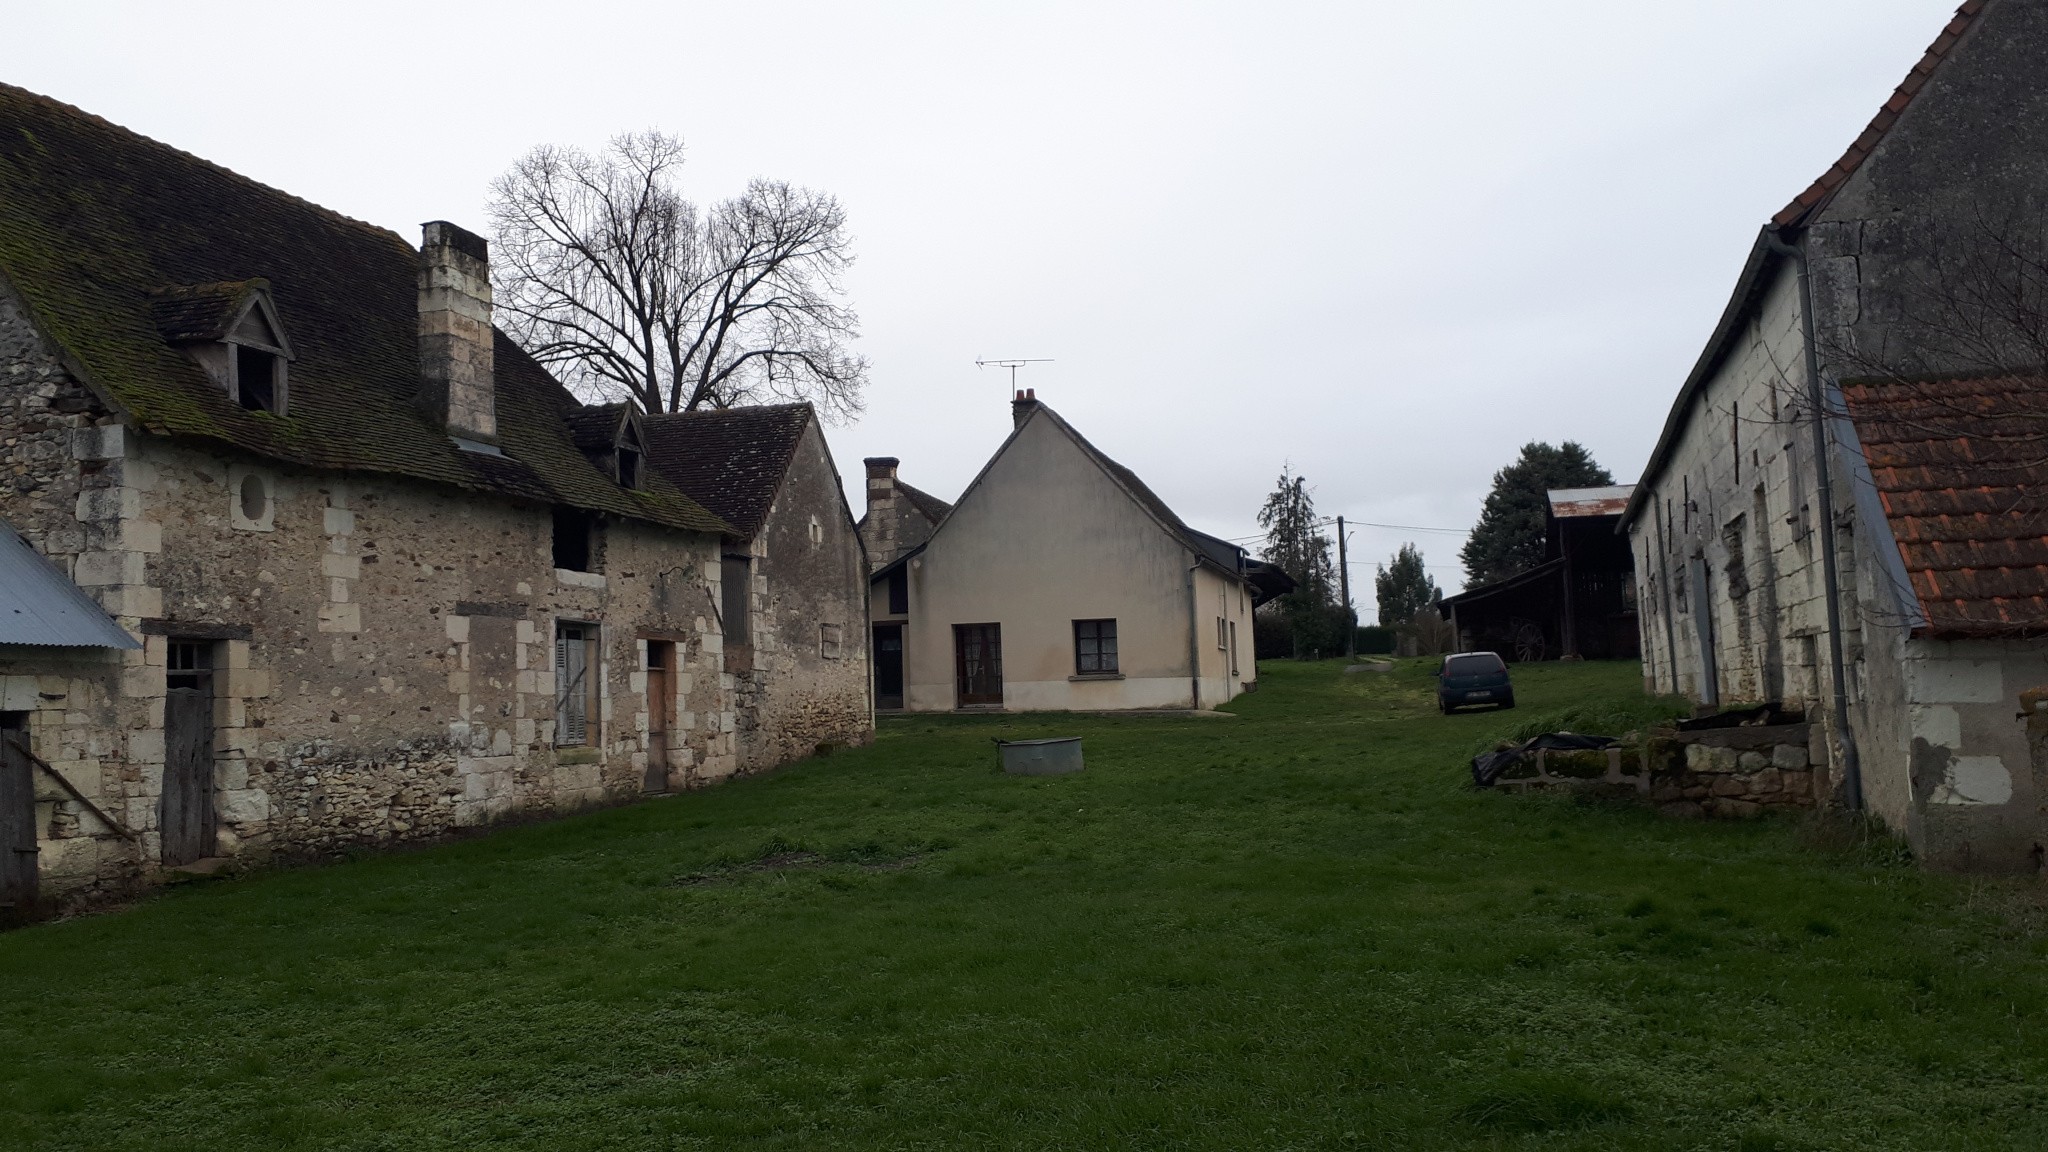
[1735,777]
[383,649]
[796,691]
[1729,773]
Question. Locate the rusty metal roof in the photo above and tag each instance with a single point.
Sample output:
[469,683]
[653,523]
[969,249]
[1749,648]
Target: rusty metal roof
[41,606]
[1566,503]
[1961,468]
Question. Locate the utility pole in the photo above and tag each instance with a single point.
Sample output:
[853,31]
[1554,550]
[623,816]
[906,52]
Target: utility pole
[1344,582]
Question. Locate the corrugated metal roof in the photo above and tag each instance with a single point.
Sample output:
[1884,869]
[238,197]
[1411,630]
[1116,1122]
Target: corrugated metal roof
[40,605]
[1566,503]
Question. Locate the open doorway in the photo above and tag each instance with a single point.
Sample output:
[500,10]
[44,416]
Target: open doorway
[889,667]
[18,871]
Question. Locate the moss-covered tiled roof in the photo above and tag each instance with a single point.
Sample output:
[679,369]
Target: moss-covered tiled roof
[189,313]
[731,460]
[100,229]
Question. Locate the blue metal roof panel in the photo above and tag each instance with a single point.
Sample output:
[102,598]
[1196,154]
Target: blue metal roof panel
[40,605]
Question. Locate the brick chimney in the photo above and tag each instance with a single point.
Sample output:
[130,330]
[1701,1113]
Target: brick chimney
[457,387]
[1021,408]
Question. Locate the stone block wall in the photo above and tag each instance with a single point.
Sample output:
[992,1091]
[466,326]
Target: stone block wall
[1735,772]
[805,682]
[383,649]
[1729,773]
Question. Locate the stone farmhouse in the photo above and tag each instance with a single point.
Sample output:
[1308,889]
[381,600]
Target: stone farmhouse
[1059,582]
[390,578]
[1845,509]
[793,581]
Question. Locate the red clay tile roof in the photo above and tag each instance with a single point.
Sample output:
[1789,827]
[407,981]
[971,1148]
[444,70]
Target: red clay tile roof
[1820,190]
[1962,469]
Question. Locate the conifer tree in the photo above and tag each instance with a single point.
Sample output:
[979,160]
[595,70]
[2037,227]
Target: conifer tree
[1509,536]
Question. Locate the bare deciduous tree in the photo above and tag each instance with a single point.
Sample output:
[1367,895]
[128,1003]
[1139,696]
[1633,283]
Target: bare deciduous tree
[605,273]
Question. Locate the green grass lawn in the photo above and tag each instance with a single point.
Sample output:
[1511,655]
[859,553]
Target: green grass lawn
[1294,929]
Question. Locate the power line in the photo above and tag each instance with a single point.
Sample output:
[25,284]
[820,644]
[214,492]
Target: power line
[1361,524]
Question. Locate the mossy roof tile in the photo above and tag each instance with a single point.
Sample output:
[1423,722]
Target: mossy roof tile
[99,226]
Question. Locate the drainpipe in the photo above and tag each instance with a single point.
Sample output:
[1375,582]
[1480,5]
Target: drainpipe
[1194,643]
[1852,772]
[1669,605]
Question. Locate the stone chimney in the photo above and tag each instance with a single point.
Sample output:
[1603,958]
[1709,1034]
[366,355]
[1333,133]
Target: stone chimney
[457,387]
[878,528]
[1021,408]
[881,481]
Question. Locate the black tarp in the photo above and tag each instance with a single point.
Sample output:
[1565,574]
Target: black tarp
[1488,766]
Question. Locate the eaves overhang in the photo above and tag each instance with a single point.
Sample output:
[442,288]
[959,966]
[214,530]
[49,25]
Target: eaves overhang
[1749,289]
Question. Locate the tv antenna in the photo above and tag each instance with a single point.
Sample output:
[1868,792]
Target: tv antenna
[1012,365]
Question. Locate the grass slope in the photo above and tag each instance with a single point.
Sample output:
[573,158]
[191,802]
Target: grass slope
[1296,929]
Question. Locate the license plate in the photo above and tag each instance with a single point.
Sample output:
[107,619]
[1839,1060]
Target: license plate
[1478,695]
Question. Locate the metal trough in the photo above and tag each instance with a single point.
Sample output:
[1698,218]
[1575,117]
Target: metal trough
[1041,757]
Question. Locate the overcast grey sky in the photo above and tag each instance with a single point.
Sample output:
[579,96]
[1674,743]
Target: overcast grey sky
[1387,242]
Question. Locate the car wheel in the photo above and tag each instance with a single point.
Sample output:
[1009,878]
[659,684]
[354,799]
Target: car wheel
[1507,703]
[1444,706]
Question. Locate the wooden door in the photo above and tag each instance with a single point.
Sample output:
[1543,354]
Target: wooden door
[17,824]
[661,702]
[978,663]
[186,818]
[888,665]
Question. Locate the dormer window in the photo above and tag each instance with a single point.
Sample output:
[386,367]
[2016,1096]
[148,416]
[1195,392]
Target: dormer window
[257,381]
[232,330]
[629,455]
[609,437]
[256,373]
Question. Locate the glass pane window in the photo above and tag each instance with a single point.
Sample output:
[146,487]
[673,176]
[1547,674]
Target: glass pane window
[1094,647]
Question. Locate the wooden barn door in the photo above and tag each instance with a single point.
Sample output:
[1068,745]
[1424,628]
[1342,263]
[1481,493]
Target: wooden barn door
[661,702]
[17,821]
[978,662]
[187,814]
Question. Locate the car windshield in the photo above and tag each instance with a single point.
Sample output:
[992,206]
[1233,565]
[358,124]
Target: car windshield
[1480,665]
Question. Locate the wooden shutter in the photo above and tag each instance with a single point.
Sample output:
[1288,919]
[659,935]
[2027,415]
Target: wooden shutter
[571,716]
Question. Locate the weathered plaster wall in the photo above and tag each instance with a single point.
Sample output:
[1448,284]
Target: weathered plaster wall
[1943,758]
[1963,165]
[805,681]
[1046,538]
[1732,517]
